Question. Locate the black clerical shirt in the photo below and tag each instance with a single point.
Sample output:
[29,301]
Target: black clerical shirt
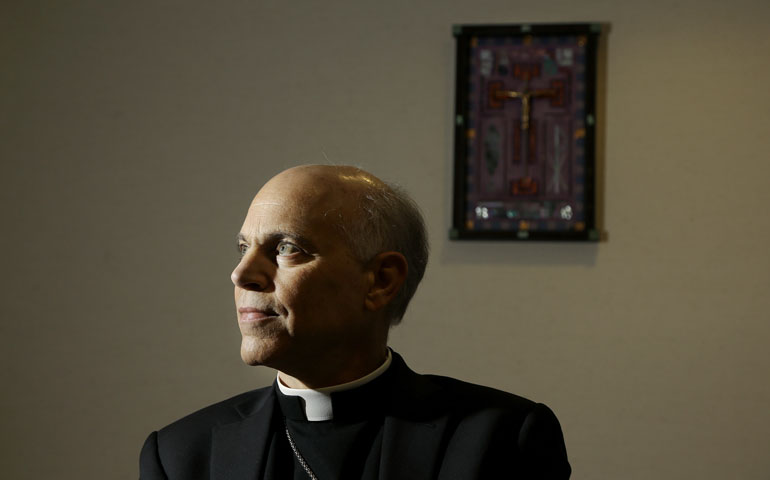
[345,447]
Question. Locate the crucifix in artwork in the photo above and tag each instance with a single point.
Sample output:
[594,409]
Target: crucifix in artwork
[525,138]
[514,97]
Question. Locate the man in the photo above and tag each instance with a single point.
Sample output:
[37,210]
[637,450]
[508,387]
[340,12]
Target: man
[330,257]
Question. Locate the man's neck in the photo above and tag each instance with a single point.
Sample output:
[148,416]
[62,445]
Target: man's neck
[318,404]
[352,370]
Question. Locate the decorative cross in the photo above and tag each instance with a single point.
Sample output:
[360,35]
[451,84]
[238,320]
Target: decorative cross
[525,95]
[525,185]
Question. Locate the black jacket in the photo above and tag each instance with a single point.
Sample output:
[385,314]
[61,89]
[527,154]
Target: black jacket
[435,428]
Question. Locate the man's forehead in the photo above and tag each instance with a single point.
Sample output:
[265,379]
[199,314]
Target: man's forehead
[297,205]
[307,198]
[298,215]
[300,196]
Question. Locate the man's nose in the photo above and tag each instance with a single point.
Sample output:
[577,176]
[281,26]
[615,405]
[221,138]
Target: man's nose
[253,272]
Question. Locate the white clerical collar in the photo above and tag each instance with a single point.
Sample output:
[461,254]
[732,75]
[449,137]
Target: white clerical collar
[318,403]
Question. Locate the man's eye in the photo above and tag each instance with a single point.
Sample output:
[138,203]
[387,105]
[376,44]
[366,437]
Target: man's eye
[242,249]
[286,249]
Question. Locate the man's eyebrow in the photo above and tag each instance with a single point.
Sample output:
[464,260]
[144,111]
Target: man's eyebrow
[281,235]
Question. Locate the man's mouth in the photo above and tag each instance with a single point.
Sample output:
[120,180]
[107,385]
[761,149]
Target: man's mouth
[253,315]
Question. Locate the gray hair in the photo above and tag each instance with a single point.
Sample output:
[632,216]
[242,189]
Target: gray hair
[389,220]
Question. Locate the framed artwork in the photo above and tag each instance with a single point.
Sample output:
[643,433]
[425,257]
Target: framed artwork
[524,166]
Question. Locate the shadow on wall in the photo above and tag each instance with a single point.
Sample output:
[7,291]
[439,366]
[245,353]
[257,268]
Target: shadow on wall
[475,252]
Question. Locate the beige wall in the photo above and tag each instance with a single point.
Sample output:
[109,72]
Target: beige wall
[133,135]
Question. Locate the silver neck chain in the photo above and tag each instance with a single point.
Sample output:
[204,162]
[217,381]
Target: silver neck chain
[299,456]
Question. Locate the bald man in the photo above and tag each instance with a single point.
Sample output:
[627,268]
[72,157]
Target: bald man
[330,258]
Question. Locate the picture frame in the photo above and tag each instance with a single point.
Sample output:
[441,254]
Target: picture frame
[525,132]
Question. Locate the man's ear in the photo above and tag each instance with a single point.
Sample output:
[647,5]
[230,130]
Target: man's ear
[387,274]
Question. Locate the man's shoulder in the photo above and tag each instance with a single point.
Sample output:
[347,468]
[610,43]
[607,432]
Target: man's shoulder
[474,394]
[183,448]
[458,395]
[223,412]
[472,402]
[504,430]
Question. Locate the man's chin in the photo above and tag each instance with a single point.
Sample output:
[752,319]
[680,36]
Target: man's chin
[250,360]
[254,352]
[250,357]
